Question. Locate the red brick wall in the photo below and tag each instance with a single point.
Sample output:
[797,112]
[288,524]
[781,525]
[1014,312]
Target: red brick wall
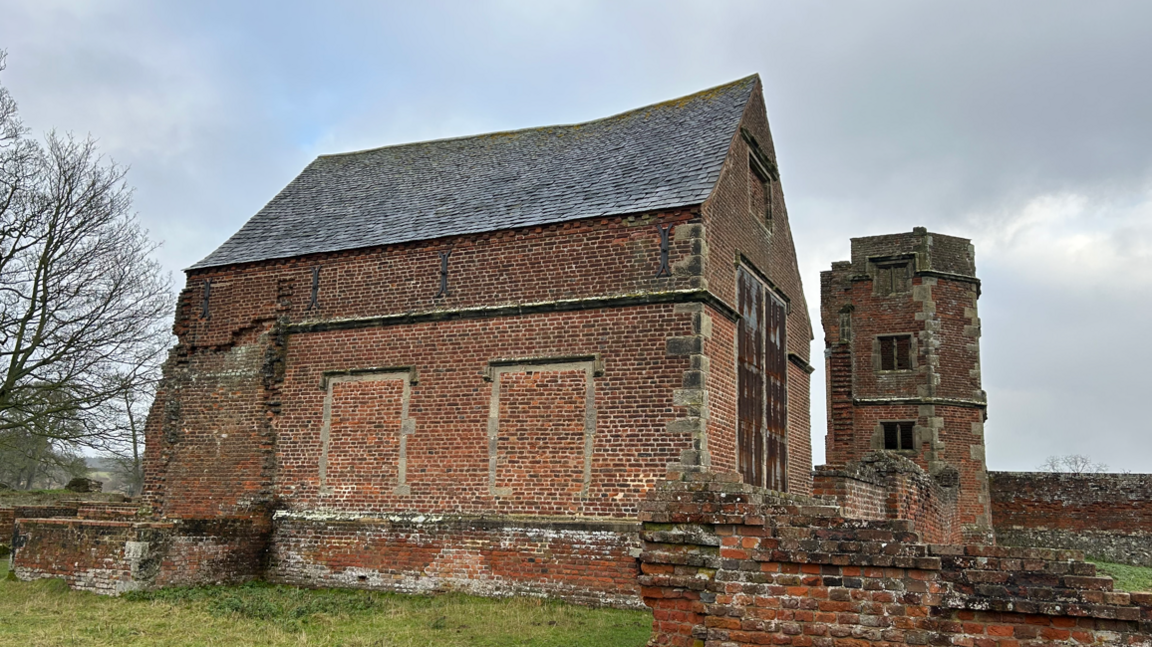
[7,525]
[860,496]
[726,564]
[886,486]
[209,445]
[89,555]
[1108,516]
[735,228]
[111,557]
[572,260]
[591,563]
[540,449]
[213,551]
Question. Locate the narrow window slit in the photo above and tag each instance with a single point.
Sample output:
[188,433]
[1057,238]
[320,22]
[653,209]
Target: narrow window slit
[443,273]
[314,302]
[664,270]
[205,313]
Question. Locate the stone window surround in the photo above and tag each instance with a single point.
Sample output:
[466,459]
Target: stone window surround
[877,263]
[913,351]
[877,441]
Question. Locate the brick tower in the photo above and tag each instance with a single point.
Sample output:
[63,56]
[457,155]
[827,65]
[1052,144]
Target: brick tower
[902,341]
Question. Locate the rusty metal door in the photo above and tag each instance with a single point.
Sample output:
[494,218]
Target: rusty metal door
[762,387]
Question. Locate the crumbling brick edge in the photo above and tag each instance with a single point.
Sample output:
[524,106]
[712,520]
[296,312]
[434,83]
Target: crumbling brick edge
[725,564]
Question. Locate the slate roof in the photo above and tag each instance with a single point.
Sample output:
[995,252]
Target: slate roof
[658,157]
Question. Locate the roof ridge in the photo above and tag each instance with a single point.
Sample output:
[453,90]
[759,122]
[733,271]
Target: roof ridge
[752,78]
[660,156]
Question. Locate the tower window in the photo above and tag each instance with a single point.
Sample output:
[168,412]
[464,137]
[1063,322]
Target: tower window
[898,435]
[893,278]
[896,353]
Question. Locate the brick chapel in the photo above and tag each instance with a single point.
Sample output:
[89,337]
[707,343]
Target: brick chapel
[417,353]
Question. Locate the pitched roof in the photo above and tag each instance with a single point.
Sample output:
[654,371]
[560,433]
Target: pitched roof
[659,157]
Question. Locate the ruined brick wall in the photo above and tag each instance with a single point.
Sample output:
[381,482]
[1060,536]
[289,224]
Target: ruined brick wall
[939,392]
[209,444]
[7,526]
[726,564]
[111,557]
[214,551]
[885,485]
[737,232]
[591,562]
[1108,516]
[861,493]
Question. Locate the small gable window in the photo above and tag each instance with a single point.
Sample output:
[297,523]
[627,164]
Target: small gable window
[893,278]
[898,435]
[896,353]
[760,192]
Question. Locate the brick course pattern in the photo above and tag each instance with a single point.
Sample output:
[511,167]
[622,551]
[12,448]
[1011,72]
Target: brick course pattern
[1108,516]
[590,562]
[727,565]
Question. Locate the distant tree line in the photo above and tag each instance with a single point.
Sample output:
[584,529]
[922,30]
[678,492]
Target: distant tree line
[84,309]
[1072,464]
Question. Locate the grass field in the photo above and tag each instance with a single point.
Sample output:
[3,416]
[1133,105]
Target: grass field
[1126,578]
[46,613]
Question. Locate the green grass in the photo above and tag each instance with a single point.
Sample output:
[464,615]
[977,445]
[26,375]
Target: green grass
[43,613]
[1126,578]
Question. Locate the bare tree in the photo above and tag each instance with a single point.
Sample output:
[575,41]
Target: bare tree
[83,305]
[1072,464]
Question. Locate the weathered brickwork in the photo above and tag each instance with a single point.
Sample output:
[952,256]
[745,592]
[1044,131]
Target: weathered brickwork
[884,485]
[740,231]
[482,438]
[110,557]
[1108,516]
[591,562]
[902,346]
[725,565]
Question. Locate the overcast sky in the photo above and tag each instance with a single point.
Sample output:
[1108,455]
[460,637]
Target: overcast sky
[1026,126]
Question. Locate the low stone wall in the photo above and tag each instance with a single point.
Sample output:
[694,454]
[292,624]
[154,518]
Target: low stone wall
[585,561]
[726,565]
[111,557]
[885,485]
[1108,516]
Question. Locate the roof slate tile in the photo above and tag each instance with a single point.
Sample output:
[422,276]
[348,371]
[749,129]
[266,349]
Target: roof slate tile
[662,156]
